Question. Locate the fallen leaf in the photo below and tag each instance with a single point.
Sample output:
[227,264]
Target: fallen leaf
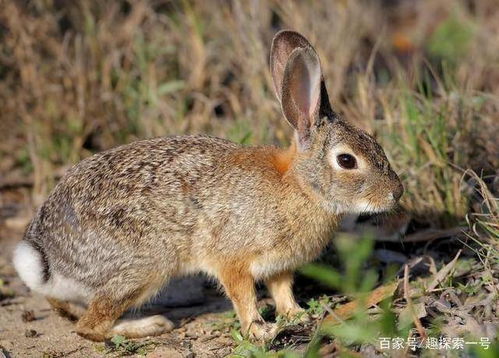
[432,234]
[410,306]
[347,310]
[442,274]
[405,315]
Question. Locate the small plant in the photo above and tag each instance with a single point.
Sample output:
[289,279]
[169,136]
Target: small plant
[124,347]
[356,282]
[226,321]
[317,306]
[248,349]
[5,292]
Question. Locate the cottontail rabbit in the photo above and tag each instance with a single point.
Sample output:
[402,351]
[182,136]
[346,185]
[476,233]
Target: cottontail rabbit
[121,223]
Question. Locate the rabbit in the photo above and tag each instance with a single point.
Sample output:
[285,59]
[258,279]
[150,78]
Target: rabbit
[122,223]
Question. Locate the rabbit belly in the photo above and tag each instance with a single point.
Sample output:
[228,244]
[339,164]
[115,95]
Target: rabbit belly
[267,265]
[28,263]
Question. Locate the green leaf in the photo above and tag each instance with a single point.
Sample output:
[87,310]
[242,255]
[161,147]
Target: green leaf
[170,87]
[323,274]
[236,335]
[451,39]
[118,340]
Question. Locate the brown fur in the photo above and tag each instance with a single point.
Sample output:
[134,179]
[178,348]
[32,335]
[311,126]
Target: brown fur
[282,159]
[281,289]
[66,309]
[239,287]
[101,314]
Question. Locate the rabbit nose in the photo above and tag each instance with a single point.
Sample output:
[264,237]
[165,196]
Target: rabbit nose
[398,191]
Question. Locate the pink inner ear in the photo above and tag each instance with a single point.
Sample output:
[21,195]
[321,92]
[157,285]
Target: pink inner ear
[283,44]
[305,84]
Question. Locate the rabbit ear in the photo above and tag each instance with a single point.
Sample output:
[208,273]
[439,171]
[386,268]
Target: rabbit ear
[283,44]
[303,98]
[301,92]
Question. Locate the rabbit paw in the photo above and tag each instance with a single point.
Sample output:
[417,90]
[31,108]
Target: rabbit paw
[298,315]
[142,327]
[262,331]
[96,334]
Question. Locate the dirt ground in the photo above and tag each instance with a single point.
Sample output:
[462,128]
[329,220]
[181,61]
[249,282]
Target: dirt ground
[29,328]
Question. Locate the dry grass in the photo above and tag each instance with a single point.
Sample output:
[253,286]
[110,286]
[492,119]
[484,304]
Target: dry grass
[423,76]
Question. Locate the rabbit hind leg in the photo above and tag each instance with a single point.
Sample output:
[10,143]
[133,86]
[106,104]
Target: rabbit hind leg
[101,314]
[142,327]
[66,309]
[135,327]
[110,302]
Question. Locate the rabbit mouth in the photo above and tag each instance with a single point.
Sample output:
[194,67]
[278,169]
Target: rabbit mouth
[368,207]
[363,207]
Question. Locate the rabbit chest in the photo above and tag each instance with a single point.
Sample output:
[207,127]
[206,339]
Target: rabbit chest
[303,241]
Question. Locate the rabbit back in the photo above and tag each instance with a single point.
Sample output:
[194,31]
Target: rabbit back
[120,212]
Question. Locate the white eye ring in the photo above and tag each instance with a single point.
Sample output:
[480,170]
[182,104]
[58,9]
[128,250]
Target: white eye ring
[343,149]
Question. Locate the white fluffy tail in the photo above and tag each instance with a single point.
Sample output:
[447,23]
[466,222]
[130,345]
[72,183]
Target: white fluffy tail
[30,267]
[28,263]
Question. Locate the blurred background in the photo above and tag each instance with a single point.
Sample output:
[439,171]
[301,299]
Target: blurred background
[78,77]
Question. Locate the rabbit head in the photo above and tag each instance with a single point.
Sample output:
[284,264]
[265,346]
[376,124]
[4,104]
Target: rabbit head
[342,165]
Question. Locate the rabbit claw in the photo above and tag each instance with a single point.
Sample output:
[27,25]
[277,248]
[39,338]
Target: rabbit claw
[262,331]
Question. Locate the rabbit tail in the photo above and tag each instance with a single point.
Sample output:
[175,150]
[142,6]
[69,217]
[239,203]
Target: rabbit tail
[33,266]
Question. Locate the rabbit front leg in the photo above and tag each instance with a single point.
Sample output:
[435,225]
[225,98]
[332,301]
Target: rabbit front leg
[239,286]
[280,287]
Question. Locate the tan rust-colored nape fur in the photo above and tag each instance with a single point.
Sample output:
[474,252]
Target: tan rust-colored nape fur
[120,224]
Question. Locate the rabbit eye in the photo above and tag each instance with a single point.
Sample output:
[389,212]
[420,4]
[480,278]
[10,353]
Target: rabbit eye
[346,161]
